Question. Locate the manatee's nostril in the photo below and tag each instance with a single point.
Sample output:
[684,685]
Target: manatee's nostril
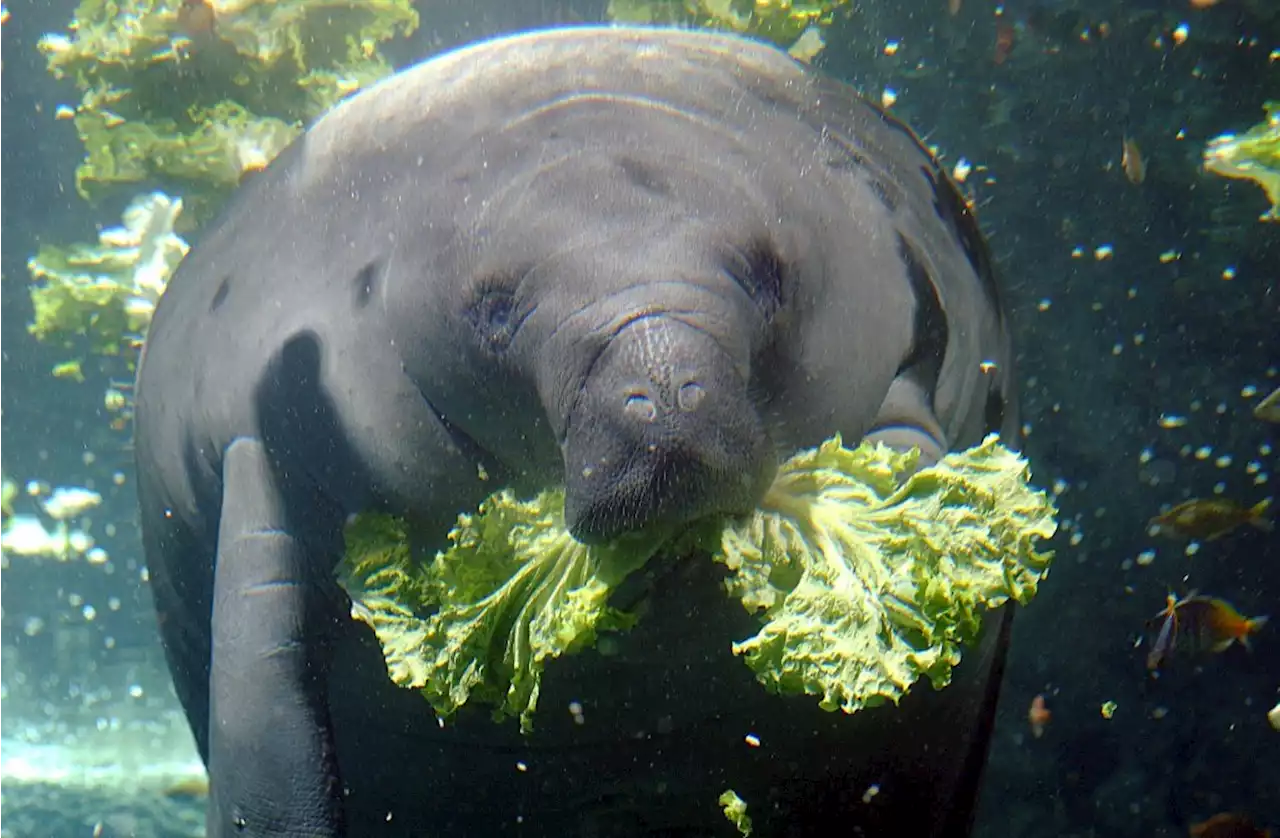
[640,407]
[690,396]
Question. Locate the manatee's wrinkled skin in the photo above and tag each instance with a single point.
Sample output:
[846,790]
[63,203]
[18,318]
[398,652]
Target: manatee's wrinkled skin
[646,264]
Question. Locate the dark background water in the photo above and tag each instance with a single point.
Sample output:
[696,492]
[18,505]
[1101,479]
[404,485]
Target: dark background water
[1105,348]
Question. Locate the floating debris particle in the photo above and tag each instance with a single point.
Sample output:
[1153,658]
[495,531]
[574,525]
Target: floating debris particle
[1146,557]
[25,535]
[1180,34]
[1273,716]
[892,47]
[1108,709]
[808,45]
[735,809]
[69,369]
[69,502]
[1103,252]
[114,400]
[888,97]
[1170,420]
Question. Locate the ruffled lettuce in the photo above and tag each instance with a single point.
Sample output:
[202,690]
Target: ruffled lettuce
[1253,155]
[481,620]
[866,574]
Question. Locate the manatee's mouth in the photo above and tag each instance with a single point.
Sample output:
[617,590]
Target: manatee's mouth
[663,433]
[656,493]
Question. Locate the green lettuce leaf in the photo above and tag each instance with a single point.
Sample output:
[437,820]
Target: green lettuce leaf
[735,809]
[480,621]
[1253,155]
[866,574]
[869,574]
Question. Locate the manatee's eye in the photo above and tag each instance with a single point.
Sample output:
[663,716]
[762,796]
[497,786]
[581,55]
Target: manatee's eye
[757,269]
[496,307]
[494,316]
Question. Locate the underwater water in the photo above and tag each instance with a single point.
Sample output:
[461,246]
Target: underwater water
[1142,289]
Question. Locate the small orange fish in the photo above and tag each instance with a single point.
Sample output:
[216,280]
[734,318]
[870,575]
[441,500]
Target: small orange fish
[1038,716]
[1206,519]
[1198,624]
[1004,42]
[189,788]
[1228,825]
[1132,161]
[1163,645]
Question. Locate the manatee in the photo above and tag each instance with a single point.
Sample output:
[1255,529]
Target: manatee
[644,264]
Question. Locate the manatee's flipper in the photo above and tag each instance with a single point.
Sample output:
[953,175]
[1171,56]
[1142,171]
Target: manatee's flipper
[180,570]
[906,420]
[272,763]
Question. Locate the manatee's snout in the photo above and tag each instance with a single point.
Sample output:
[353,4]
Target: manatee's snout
[664,433]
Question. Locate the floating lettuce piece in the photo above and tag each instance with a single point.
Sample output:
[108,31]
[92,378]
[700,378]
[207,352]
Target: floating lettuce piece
[512,591]
[108,290]
[735,809]
[8,493]
[1253,155]
[781,22]
[267,30]
[198,92]
[866,574]
[217,148]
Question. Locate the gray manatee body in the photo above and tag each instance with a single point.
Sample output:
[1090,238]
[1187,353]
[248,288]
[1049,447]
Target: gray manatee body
[645,264]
